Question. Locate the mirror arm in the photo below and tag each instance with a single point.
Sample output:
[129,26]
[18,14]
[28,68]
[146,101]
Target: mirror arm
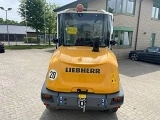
[55,41]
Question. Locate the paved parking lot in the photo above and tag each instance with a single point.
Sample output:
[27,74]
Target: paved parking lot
[22,73]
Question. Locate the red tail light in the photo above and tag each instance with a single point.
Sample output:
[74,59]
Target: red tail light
[46,96]
[117,99]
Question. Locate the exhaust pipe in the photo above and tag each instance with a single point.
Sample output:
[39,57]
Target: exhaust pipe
[96,41]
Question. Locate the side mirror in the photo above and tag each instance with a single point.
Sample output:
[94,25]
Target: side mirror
[55,41]
[113,42]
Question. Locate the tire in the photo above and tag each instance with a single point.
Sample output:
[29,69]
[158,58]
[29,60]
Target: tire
[51,108]
[134,56]
[112,110]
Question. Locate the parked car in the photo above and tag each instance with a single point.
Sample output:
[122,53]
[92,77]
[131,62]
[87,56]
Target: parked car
[151,54]
[2,50]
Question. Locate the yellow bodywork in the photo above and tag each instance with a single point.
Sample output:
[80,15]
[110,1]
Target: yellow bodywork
[99,70]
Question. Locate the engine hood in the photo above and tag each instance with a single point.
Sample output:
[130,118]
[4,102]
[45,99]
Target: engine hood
[82,55]
[73,68]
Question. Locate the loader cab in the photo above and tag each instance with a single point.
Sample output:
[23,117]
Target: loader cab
[83,71]
[90,28]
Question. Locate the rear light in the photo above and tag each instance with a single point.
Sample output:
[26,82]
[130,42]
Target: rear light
[46,96]
[117,99]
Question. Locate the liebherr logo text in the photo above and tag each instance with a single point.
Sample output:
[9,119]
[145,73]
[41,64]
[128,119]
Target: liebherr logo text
[83,70]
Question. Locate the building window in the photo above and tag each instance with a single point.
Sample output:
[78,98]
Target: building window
[121,6]
[130,6]
[153,36]
[123,38]
[112,5]
[118,6]
[156,12]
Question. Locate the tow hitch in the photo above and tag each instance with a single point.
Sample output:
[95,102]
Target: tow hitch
[82,101]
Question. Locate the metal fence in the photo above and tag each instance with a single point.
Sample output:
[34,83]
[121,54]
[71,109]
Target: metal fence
[12,43]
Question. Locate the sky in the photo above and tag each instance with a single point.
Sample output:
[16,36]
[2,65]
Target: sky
[14,4]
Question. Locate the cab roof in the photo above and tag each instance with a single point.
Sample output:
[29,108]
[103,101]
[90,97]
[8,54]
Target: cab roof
[86,10]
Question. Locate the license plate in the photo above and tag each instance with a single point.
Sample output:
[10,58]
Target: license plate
[82,96]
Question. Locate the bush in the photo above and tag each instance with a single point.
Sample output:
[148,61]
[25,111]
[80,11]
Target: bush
[21,47]
[31,40]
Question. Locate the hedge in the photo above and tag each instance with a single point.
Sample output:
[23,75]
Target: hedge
[31,40]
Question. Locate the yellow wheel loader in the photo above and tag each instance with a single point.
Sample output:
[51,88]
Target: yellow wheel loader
[83,71]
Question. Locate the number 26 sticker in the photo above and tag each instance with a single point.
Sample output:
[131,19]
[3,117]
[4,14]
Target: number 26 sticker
[52,75]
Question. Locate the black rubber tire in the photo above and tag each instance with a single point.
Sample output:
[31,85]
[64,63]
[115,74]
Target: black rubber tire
[51,108]
[113,110]
[134,56]
[3,51]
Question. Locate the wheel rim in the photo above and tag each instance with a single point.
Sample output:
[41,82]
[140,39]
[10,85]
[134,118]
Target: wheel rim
[134,57]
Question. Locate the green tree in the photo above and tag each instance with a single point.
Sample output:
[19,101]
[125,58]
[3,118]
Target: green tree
[1,21]
[12,22]
[33,11]
[50,19]
[22,23]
